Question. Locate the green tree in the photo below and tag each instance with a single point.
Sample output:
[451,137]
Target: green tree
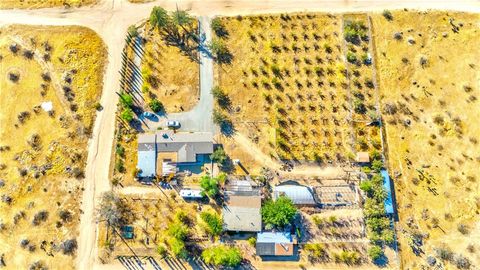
[127,114]
[177,247]
[209,185]
[222,255]
[159,18]
[218,27]
[366,186]
[177,230]
[375,252]
[181,18]
[213,221]
[156,105]
[219,155]
[351,57]
[278,213]
[377,165]
[126,100]
[222,99]
[132,31]
[220,51]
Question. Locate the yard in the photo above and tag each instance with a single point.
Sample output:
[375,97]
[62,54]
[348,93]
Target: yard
[428,77]
[50,80]
[32,4]
[170,73]
[287,86]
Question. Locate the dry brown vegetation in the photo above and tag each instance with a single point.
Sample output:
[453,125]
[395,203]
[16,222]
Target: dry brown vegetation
[428,75]
[170,74]
[32,4]
[287,85]
[43,154]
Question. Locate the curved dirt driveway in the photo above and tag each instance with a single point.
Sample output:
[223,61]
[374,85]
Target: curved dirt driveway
[110,20]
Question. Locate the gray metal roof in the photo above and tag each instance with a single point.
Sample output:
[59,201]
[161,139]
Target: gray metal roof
[186,145]
[265,249]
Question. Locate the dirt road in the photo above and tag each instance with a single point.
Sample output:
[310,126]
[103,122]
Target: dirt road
[110,20]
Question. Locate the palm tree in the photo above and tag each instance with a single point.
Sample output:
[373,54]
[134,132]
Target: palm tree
[159,18]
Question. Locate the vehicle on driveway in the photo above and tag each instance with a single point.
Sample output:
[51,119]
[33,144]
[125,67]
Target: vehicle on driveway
[173,124]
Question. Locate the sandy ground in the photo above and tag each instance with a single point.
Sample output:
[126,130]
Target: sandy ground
[110,20]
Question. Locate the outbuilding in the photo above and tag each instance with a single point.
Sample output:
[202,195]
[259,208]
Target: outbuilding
[275,244]
[299,194]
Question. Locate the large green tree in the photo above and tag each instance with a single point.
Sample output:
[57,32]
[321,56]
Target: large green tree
[222,255]
[209,185]
[159,18]
[279,213]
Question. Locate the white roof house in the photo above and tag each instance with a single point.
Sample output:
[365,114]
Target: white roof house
[300,195]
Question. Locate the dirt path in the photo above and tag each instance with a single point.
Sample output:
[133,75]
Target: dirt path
[110,20]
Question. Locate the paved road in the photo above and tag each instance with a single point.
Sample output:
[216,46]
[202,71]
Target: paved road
[110,20]
[200,117]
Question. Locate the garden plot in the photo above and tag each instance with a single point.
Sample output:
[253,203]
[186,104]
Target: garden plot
[50,80]
[151,219]
[287,86]
[428,76]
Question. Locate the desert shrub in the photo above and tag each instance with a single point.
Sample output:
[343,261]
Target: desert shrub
[127,114]
[359,107]
[463,229]
[354,31]
[46,77]
[78,173]
[119,166]
[68,247]
[28,54]
[177,230]
[222,255]
[24,243]
[162,251]
[388,15]
[177,247]
[132,31]
[213,221]
[65,215]
[316,251]
[156,105]
[252,241]
[126,100]
[377,165]
[375,252]
[220,51]
[14,48]
[462,262]
[222,99]
[38,265]
[120,150]
[22,116]
[40,217]
[13,77]
[351,57]
[347,257]
[444,253]
[219,28]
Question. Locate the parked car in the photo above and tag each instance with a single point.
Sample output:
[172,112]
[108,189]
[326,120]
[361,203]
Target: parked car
[173,124]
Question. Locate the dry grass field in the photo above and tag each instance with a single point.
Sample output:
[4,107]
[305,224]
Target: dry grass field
[170,74]
[287,86]
[429,77]
[32,4]
[43,153]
